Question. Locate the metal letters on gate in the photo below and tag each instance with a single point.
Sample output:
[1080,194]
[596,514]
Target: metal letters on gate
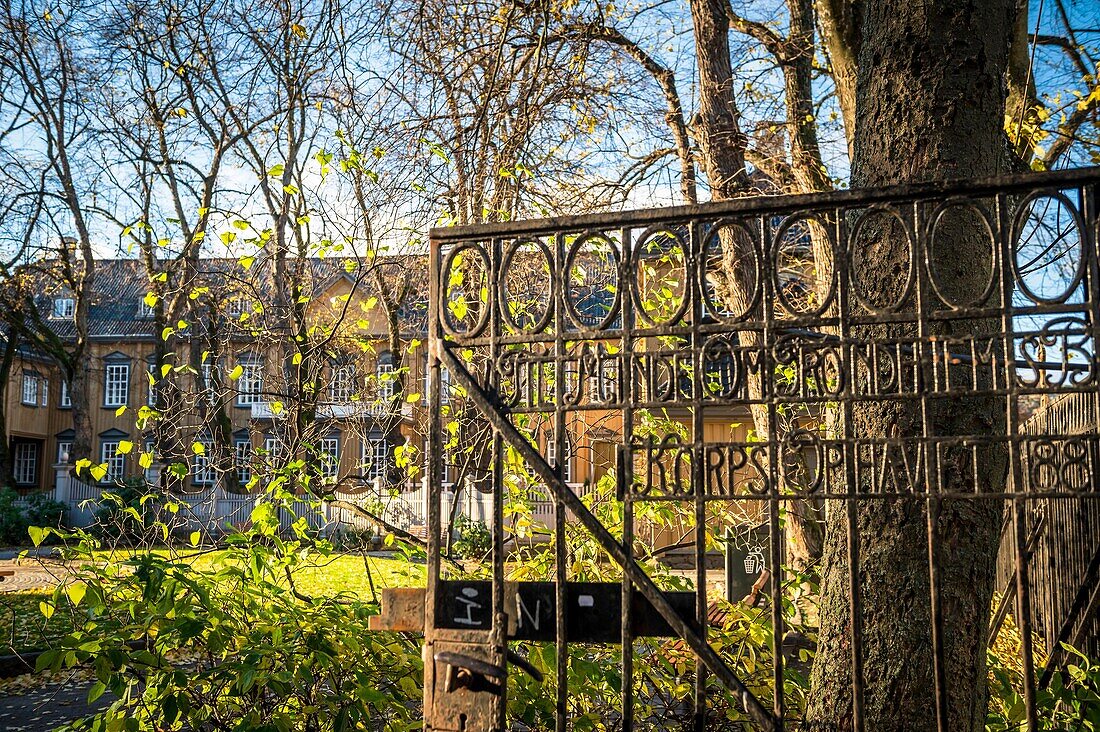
[546,336]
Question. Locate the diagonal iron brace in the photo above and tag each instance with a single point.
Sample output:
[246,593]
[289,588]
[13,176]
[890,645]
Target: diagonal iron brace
[490,409]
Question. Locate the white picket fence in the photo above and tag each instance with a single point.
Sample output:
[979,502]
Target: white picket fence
[214,511]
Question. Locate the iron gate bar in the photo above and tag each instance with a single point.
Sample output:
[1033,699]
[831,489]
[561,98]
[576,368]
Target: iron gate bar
[607,542]
[1008,364]
[987,187]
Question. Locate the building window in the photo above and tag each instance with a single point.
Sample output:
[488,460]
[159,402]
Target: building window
[64,452]
[113,459]
[251,384]
[150,449]
[145,310]
[25,463]
[384,373]
[116,385]
[242,455]
[45,392]
[552,458]
[203,471]
[238,306]
[66,400]
[209,384]
[151,393]
[30,390]
[63,307]
[444,383]
[342,383]
[273,448]
[375,458]
[330,456]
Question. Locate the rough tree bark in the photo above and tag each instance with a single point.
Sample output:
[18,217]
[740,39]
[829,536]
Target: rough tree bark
[930,105]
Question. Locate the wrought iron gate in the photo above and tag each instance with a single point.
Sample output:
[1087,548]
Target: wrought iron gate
[726,362]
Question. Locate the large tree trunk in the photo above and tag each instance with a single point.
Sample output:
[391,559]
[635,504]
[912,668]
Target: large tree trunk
[930,105]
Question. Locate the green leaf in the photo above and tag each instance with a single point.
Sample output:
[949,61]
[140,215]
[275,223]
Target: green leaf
[96,691]
[198,448]
[125,446]
[99,472]
[146,460]
[236,373]
[195,537]
[120,411]
[47,609]
[151,299]
[76,592]
[38,534]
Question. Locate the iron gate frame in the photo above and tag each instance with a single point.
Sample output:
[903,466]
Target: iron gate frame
[918,207]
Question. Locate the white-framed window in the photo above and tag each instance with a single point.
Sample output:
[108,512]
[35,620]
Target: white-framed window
[209,386]
[64,452]
[250,385]
[149,447]
[604,386]
[45,392]
[444,382]
[273,448]
[329,448]
[386,383]
[145,310]
[552,457]
[342,384]
[242,456]
[116,384]
[24,466]
[113,459]
[30,389]
[238,306]
[444,385]
[153,382]
[66,399]
[203,471]
[375,457]
[63,308]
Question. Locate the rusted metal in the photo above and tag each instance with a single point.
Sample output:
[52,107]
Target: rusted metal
[555,322]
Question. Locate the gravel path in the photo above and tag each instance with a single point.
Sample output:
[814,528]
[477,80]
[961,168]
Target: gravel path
[49,706]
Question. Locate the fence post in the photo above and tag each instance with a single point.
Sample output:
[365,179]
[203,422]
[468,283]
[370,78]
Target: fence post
[61,483]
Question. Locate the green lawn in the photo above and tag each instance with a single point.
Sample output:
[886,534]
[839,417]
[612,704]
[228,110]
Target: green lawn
[24,627]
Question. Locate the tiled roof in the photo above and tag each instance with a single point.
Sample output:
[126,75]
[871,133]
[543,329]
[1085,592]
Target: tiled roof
[121,285]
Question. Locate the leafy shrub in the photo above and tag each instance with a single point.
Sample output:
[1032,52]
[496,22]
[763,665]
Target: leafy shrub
[1070,701]
[232,644]
[474,539]
[39,510]
[127,511]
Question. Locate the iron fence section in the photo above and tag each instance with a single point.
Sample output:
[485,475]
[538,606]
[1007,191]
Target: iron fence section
[656,325]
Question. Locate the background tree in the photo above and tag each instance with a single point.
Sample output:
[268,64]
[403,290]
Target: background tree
[50,117]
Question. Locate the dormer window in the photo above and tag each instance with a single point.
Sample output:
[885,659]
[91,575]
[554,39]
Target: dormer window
[145,310]
[63,307]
